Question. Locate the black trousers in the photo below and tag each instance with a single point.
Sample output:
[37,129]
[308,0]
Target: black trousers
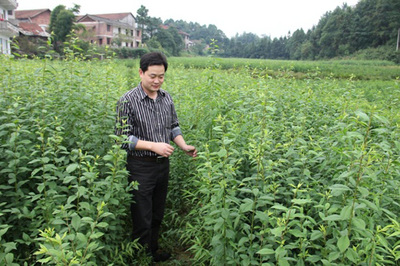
[147,207]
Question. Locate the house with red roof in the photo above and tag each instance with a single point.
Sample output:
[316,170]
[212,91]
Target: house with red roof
[117,30]
[34,23]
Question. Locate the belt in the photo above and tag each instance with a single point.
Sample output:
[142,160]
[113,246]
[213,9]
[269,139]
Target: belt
[154,159]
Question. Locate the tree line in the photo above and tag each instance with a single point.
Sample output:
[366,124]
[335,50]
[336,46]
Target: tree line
[368,30]
[339,33]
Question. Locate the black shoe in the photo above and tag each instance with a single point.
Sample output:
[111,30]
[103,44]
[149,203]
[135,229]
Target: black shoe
[162,256]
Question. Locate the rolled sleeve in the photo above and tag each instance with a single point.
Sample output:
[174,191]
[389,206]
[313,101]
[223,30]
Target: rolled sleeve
[176,131]
[132,142]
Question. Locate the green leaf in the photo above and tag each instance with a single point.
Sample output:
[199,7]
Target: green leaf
[3,231]
[297,233]
[333,256]
[359,223]
[81,238]
[382,119]
[262,216]
[362,116]
[280,207]
[68,179]
[243,240]
[277,231]
[71,199]
[343,243]
[333,217]
[88,220]
[247,205]
[40,187]
[339,189]
[85,205]
[280,252]
[72,167]
[76,222]
[301,201]
[345,214]
[370,205]
[9,258]
[219,222]
[9,246]
[316,235]
[58,221]
[266,251]
[313,258]
[96,235]
[352,255]
[283,262]
[364,192]
[102,224]
[222,153]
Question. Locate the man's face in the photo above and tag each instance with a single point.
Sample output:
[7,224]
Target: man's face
[152,79]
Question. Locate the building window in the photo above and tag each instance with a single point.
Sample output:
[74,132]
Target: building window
[10,12]
[131,32]
[138,33]
[108,41]
[100,41]
[108,27]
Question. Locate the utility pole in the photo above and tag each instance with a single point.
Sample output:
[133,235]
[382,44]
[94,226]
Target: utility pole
[398,40]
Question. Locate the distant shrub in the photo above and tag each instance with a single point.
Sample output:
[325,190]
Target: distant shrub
[381,53]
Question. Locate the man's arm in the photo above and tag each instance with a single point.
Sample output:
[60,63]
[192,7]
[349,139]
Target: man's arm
[161,148]
[188,149]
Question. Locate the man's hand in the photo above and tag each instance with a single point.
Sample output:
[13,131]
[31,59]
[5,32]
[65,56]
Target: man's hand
[190,150]
[163,149]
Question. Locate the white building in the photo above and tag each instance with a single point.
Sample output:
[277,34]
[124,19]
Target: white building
[7,29]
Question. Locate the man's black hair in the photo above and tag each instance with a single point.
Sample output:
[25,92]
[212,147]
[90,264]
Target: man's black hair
[153,59]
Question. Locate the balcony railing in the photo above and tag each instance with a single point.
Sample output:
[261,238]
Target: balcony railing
[8,29]
[9,4]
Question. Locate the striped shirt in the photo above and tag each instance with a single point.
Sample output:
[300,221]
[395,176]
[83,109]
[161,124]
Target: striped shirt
[141,118]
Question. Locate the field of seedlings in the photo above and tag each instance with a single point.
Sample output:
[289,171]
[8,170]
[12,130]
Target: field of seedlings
[299,163]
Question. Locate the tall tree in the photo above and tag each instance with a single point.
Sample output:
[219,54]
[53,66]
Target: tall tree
[142,20]
[61,23]
[153,26]
[295,43]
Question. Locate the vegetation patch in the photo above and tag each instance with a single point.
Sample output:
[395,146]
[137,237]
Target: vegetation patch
[298,163]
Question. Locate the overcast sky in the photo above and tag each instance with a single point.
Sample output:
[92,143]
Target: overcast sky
[274,18]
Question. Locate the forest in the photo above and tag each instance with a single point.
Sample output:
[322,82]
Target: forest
[368,30]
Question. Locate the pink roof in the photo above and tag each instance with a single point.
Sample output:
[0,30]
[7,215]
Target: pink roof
[115,16]
[21,14]
[31,27]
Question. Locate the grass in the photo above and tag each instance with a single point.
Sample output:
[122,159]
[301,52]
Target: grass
[341,69]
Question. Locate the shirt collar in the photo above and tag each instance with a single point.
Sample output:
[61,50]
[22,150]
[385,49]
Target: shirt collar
[143,95]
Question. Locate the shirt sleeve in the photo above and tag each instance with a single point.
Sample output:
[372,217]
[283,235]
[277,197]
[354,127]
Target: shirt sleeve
[175,129]
[123,125]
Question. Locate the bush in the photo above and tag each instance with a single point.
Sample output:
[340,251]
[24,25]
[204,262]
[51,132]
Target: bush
[388,53]
[126,52]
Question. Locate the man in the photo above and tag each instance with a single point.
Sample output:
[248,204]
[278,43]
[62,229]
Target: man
[147,116]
